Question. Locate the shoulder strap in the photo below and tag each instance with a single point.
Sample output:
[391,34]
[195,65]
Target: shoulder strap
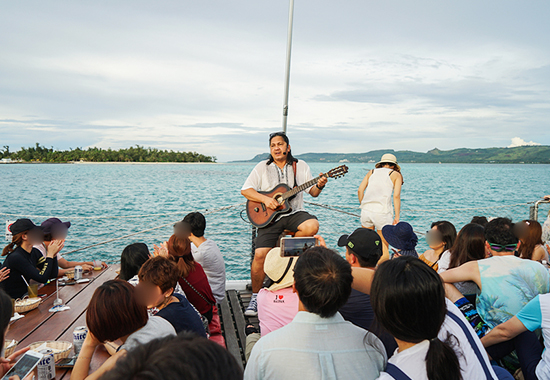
[294,165]
[396,373]
[472,342]
[199,293]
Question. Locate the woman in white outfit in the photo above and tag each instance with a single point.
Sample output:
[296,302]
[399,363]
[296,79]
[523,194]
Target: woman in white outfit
[375,196]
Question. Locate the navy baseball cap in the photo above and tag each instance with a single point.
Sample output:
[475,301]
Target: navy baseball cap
[52,224]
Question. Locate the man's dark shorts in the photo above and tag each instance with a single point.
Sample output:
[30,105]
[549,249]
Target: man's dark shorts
[267,237]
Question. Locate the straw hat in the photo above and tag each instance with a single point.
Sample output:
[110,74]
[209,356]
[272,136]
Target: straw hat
[279,269]
[388,158]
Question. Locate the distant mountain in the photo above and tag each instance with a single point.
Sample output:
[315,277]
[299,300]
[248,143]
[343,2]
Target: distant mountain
[539,154]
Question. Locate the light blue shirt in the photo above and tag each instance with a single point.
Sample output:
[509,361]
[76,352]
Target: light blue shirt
[311,347]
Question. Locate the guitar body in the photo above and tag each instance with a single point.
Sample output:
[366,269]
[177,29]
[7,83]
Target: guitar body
[260,215]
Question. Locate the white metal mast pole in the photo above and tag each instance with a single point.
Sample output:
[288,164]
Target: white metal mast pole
[287,69]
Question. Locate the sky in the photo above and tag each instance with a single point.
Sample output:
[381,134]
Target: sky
[208,76]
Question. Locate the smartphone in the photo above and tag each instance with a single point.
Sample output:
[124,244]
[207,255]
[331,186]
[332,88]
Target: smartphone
[295,246]
[66,363]
[25,365]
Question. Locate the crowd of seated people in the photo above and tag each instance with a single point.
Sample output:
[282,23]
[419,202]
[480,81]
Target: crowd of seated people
[475,305]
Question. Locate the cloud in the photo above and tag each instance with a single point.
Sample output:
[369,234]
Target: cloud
[208,76]
[517,141]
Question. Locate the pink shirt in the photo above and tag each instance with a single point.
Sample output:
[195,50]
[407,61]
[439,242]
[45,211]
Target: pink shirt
[276,309]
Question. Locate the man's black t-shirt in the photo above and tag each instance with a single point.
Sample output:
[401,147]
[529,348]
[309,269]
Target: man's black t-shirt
[32,266]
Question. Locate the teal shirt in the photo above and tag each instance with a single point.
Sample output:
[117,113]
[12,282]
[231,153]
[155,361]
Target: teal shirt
[508,283]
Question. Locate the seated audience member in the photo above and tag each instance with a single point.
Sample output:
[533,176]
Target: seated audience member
[277,304]
[518,334]
[481,220]
[205,252]
[531,246]
[366,252]
[440,238]
[507,283]
[192,279]
[402,238]
[435,341]
[55,229]
[469,246]
[6,312]
[184,357]
[131,260]
[158,278]
[318,343]
[363,249]
[24,261]
[115,313]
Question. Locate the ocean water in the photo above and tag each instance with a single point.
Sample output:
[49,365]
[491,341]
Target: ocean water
[101,199]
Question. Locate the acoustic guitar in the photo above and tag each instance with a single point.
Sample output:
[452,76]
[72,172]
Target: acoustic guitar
[261,216]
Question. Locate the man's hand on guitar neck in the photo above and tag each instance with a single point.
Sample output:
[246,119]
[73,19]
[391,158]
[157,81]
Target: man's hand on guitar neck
[316,190]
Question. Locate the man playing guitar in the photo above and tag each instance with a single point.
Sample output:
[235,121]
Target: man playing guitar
[279,168]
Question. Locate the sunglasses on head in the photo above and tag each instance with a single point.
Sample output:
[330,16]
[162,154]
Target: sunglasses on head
[502,248]
[275,134]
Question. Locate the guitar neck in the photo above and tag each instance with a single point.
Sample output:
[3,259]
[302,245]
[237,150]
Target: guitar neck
[300,188]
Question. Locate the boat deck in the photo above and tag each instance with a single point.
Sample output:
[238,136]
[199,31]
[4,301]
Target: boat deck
[234,322]
[40,324]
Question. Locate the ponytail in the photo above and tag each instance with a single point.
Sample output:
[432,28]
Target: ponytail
[16,241]
[442,361]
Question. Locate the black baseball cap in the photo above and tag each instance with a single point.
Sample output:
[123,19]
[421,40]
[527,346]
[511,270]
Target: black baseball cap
[22,225]
[362,242]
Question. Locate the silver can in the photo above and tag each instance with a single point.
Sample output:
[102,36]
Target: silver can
[79,334]
[78,273]
[46,366]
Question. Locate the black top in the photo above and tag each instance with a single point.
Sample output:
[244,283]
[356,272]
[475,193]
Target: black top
[33,266]
[183,316]
[358,310]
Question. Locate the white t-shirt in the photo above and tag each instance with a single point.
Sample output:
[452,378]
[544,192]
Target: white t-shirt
[265,177]
[412,360]
[209,256]
[156,327]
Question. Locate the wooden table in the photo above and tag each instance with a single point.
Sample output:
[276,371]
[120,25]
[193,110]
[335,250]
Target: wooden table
[39,324]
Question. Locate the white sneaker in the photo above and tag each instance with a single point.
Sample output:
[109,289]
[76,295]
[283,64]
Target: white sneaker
[252,309]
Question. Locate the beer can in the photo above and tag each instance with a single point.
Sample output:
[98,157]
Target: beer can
[78,273]
[79,334]
[46,366]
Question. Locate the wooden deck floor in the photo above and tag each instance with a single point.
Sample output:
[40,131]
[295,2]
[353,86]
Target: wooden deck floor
[234,322]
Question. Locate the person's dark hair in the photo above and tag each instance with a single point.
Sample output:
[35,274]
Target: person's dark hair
[448,232]
[366,262]
[183,357]
[408,299]
[132,258]
[469,245]
[160,271]
[481,220]
[500,231]
[6,311]
[289,157]
[114,311]
[530,234]
[179,250]
[323,281]
[16,241]
[197,223]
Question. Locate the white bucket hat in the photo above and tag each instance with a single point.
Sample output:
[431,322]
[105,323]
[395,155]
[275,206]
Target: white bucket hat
[388,158]
[279,269]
